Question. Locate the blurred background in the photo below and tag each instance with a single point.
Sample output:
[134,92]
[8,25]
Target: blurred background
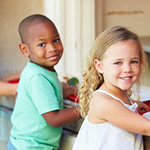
[79,23]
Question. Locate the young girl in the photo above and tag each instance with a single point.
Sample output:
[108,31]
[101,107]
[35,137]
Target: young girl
[116,61]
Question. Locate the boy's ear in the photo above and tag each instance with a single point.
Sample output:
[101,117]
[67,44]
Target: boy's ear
[24,49]
[98,65]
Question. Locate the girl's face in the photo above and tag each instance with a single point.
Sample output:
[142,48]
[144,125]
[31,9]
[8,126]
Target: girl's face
[121,65]
[44,45]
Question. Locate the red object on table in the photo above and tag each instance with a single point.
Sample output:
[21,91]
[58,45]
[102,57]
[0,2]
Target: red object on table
[148,103]
[74,98]
[14,81]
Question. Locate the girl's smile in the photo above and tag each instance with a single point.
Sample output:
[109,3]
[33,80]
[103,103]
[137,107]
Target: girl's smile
[126,79]
[121,65]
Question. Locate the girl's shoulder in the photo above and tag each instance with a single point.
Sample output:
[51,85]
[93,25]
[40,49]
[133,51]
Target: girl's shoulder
[99,101]
[103,96]
[104,107]
[100,106]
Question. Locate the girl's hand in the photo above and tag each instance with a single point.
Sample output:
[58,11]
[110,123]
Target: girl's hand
[142,107]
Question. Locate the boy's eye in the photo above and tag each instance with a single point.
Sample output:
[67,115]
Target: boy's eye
[41,45]
[57,40]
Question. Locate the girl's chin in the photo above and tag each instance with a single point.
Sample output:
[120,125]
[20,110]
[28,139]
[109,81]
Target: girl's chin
[125,88]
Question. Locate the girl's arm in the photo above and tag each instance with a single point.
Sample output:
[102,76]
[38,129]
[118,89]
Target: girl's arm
[61,117]
[104,108]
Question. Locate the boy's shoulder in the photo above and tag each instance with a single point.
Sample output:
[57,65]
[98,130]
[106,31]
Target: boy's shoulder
[32,70]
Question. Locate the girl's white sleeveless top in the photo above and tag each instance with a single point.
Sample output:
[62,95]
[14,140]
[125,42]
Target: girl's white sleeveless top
[106,136]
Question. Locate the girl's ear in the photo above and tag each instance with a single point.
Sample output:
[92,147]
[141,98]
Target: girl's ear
[98,65]
[24,49]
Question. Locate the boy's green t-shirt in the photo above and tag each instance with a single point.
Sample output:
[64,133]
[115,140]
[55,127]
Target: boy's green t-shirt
[39,92]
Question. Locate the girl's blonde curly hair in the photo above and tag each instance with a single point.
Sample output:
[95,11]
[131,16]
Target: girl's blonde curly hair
[91,78]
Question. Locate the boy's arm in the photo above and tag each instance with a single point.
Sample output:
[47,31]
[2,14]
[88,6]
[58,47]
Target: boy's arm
[62,117]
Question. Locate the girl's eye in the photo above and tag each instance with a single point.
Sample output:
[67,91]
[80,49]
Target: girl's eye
[41,45]
[134,62]
[117,63]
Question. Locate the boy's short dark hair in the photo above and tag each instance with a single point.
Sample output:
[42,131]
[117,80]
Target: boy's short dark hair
[27,22]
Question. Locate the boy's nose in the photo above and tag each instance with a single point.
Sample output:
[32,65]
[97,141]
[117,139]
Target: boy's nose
[51,47]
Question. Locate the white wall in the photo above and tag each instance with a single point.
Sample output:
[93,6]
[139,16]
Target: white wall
[134,14]
[11,13]
[78,22]
[75,20]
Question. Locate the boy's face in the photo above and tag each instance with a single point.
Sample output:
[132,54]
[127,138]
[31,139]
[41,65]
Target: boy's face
[44,45]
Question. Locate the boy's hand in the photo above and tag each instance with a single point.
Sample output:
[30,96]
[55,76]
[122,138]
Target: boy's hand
[64,85]
[68,90]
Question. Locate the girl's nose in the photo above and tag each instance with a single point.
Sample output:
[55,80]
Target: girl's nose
[127,68]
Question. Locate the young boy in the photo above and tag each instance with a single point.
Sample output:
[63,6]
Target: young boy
[38,114]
